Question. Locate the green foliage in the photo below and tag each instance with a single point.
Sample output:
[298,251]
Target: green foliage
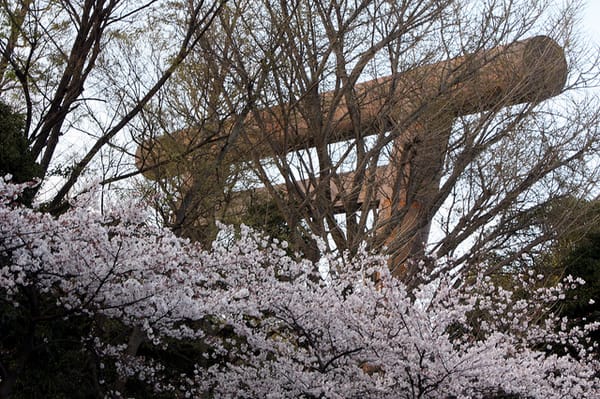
[583,261]
[266,216]
[15,156]
[577,253]
[47,353]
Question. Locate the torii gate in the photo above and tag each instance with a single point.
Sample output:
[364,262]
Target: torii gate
[429,98]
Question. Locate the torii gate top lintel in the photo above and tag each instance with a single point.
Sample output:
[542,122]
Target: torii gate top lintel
[525,71]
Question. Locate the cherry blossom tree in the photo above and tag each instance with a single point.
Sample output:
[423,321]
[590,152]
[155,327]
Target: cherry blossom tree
[264,324]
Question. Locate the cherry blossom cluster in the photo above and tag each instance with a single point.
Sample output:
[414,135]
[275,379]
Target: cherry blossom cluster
[290,331]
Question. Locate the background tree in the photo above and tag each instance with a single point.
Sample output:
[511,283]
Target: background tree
[575,253]
[81,72]
[16,159]
[295,66]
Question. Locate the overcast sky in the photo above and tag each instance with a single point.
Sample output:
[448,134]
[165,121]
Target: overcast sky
[591,20]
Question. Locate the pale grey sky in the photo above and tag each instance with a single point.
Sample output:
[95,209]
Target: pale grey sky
[591,20]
